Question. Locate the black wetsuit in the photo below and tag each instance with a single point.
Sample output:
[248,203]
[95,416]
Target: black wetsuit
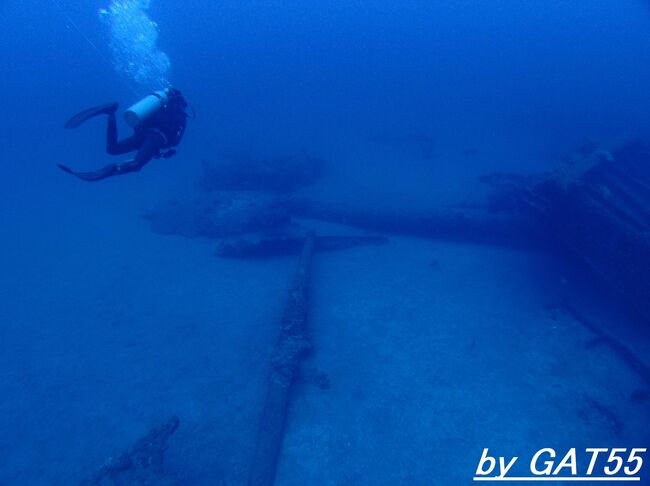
[163,130]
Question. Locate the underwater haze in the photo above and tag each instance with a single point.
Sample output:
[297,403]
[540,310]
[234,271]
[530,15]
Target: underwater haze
[426,347]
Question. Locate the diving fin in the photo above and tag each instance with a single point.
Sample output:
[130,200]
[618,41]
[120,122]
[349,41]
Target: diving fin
[79,118]
[94,175]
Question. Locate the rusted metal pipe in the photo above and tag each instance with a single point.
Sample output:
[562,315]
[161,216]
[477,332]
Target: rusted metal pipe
[290,349]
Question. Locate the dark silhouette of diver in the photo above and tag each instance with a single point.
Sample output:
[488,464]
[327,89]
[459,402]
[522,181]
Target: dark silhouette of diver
[159,122]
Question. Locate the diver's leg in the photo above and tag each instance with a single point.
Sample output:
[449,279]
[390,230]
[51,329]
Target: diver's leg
[79,118]
[113,147]
[150,147]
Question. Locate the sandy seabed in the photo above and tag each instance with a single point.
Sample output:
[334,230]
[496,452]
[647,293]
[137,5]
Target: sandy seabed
[433,351]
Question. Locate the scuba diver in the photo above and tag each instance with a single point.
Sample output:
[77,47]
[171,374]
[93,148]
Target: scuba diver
[158,121]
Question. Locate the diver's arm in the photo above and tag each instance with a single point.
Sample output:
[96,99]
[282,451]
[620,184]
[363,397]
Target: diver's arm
[181,132]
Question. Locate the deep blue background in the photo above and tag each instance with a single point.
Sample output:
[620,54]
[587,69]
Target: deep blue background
[272,75]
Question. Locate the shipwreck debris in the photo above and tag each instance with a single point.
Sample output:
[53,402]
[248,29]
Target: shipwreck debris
[603,218]
[273,247]
[218,215]
[626,355]
[293,345]
[452,224]
[597,206]
[242,195]
[594,411]
[142,464]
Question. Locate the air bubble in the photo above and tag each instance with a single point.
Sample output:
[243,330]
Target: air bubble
[133,38]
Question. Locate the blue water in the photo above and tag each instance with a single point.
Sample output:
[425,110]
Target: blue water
[107,329]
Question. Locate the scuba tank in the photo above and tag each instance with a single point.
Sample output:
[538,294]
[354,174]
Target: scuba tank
[146,107]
